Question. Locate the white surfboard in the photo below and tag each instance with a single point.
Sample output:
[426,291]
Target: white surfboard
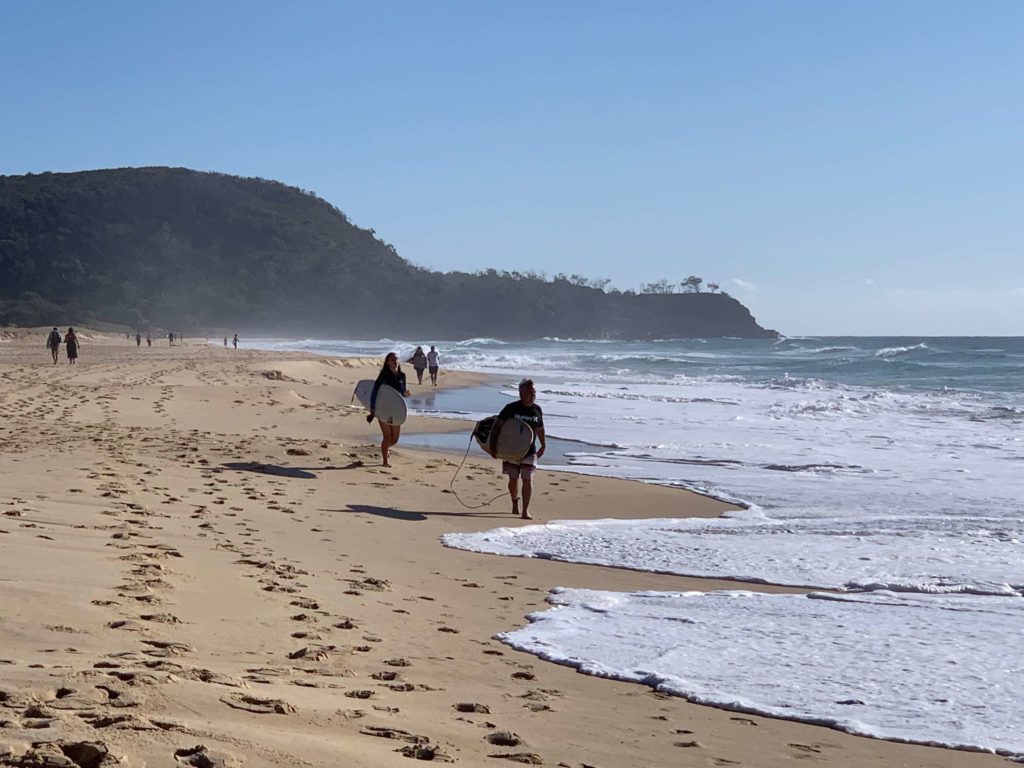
[391,407]
[512,442]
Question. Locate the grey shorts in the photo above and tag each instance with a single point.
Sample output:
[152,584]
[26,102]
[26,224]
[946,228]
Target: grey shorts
[523,469]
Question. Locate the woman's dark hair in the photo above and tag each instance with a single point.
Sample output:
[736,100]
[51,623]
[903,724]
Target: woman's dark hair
[387,357]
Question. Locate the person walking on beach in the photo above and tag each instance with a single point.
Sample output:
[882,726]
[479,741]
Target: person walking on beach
[235,341]
[432,364]
[526,410]
[71,345]
[391,375]
[149,338]
[419,363]
[53,344]
[138,338]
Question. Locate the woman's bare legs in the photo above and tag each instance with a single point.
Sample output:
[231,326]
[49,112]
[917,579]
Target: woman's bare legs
[389,437]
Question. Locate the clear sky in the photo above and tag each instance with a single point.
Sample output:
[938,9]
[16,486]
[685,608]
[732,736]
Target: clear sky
[840,166]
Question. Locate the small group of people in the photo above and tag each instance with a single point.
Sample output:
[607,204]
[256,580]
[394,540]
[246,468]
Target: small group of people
[525,409]
[70,341]
[138,339]
[425,362]
[234,341]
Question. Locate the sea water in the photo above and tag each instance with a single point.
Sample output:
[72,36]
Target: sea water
[890,470]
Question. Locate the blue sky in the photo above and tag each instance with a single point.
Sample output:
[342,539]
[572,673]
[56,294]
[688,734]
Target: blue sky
[840,166]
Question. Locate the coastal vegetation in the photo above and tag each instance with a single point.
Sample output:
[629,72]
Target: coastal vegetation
[171,247]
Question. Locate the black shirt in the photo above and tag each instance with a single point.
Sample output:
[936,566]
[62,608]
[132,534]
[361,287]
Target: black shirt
[528,414]
[395,380]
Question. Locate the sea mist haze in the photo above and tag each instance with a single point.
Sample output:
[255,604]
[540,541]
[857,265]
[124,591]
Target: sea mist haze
[888,470]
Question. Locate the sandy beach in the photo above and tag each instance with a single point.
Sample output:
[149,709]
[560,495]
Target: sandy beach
[203,563]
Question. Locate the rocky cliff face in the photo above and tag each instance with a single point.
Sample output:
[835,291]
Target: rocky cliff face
[176,248]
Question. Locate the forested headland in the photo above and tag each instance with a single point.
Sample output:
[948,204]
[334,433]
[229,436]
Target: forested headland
[175,248]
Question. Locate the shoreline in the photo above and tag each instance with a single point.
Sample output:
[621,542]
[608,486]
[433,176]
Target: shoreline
[144,486]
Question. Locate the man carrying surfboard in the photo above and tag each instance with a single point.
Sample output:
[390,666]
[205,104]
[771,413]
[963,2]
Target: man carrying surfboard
[390,375]
[526,410]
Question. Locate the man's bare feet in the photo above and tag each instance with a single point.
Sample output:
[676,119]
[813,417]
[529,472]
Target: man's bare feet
[515,506]
[526,516]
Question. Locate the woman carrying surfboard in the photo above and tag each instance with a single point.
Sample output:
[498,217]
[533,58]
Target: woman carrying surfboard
[390,375]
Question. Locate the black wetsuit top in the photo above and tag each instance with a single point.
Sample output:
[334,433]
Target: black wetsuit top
[394,380]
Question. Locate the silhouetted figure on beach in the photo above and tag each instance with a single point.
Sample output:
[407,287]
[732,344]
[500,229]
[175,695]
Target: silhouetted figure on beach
[71,345]
[419,363]
[170,338]
[149,339]
[53,344]
[235,341]
[138,338]
[432,364]
[225,342]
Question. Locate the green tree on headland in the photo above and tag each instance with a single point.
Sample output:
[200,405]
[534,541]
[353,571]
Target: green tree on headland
[692,283]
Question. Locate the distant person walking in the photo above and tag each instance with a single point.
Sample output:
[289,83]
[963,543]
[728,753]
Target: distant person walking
[225,342]
[391,375]
[149,339]
[170,338]
[526,410]
[138,338]
[71,345]
[419,363]
[432,364]
[53,344]
[235,341]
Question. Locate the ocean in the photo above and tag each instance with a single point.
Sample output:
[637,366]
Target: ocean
[889,471]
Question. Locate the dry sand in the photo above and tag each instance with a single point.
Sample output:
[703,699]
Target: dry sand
[202,563]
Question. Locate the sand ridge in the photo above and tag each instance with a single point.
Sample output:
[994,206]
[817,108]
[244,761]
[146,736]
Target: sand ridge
[203,563]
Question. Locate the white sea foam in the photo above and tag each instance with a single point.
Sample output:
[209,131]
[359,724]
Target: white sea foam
[973,555]
[906,667]
[894,351]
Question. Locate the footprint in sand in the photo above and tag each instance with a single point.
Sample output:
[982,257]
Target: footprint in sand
[200,756]
[469,706]
[360,694]
[743,720]
[85,754]
[258,705]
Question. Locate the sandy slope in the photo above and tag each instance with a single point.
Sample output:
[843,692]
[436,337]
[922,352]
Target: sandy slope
[198,547]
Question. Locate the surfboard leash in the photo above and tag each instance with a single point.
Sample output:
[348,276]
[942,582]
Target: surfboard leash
[451,484]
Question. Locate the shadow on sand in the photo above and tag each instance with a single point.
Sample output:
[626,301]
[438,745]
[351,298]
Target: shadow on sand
[302,473]
[410,516]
